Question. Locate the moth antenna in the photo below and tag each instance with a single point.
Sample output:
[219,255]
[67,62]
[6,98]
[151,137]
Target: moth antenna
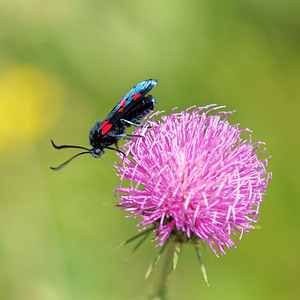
[66,162]
[68,146]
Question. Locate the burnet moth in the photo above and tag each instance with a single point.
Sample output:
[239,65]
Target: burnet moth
[131,108]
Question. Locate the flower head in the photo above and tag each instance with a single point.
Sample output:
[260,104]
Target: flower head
[193,178]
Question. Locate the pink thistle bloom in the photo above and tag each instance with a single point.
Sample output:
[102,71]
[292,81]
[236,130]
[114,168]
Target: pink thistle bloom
[192,177]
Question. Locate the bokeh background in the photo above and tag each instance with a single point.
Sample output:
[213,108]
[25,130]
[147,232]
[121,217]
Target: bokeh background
[64,64]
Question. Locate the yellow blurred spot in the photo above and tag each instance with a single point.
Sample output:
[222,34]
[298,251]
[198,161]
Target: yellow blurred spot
[31,101]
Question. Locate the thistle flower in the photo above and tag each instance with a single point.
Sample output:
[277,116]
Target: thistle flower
[193,178]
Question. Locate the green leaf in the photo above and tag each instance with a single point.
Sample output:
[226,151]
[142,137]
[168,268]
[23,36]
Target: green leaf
[138,244]
[201,263]
[135,237]
[154,262]
[176,255]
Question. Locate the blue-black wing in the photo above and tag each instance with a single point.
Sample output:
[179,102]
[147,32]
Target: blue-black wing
[126,103]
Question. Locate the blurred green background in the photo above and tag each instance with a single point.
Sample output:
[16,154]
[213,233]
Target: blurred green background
[64,64]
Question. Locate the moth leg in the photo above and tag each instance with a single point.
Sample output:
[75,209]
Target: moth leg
[110,148]
[131,123]
[134,124]
[135,135]
[119,136]
[128,136]
[125,136]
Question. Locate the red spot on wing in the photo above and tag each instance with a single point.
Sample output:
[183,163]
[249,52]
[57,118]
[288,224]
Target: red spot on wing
[105,127]
[121,109]
[122,102]
[135,96]
[104,124]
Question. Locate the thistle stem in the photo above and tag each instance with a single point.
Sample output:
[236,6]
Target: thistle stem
[161,293]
